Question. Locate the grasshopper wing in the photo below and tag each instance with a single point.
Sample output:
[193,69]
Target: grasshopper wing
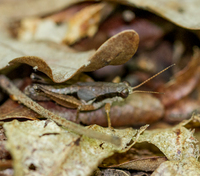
[86,95]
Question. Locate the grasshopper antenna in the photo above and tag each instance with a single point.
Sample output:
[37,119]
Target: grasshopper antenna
[150,92]
[151,78]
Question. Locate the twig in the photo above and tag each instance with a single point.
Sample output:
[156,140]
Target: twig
[7,85]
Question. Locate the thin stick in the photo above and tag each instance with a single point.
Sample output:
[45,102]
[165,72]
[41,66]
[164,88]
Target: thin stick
[152,77]
[7,85]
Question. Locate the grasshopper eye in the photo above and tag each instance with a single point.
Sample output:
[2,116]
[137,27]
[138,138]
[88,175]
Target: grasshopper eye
[124,93]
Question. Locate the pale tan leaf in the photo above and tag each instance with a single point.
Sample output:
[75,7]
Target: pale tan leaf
[43,148]
[186,167]
[82,24]
[182,13]
[19,9]
[61,63]
[41,30]
[176,143]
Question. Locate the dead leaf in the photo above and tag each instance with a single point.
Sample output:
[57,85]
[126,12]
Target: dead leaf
[176,143]
[149,32]
[82,24]
[37,148]
[4,154]
[36,29]
[185,167]
[22,8]
[181,110]
[144,164]
[108,172]
[183,83]
[5,165]
[184,14]
[137,109]
[86,21]
[132,109]
[60,64]
[13,110]
[137,158]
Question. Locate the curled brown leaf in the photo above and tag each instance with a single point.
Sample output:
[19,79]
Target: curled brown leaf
[60,64]
[183,83]
[137,109]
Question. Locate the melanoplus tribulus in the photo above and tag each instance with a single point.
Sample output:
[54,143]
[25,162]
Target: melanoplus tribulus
[84,96]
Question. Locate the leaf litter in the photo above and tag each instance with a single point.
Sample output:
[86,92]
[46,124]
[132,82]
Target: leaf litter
[40,149]
[177,143]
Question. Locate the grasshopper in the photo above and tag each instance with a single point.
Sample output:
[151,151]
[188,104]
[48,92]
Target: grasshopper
[85,96]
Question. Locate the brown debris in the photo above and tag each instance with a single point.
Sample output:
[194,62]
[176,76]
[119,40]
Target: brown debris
[183,83]
[85,22]
[13,110]
[181,110]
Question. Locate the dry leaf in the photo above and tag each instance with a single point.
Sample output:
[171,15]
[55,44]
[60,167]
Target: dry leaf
[182,13]
[176,143]
[137,158]
[135,110]
[60,64]
[10,110]
[186,167]
[42,148]
[115,172]
[181,110]
[85,22]
[82,24]
[183,83]
[41,30]
[144,164]
[15,10]
[132,109]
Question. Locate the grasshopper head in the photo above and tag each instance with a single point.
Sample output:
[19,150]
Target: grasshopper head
[127,90]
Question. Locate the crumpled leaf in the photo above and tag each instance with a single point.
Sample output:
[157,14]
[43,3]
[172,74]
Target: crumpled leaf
[185,167]
[60,64]
[176,143]
[182,13]
[179,145]
[43,148]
